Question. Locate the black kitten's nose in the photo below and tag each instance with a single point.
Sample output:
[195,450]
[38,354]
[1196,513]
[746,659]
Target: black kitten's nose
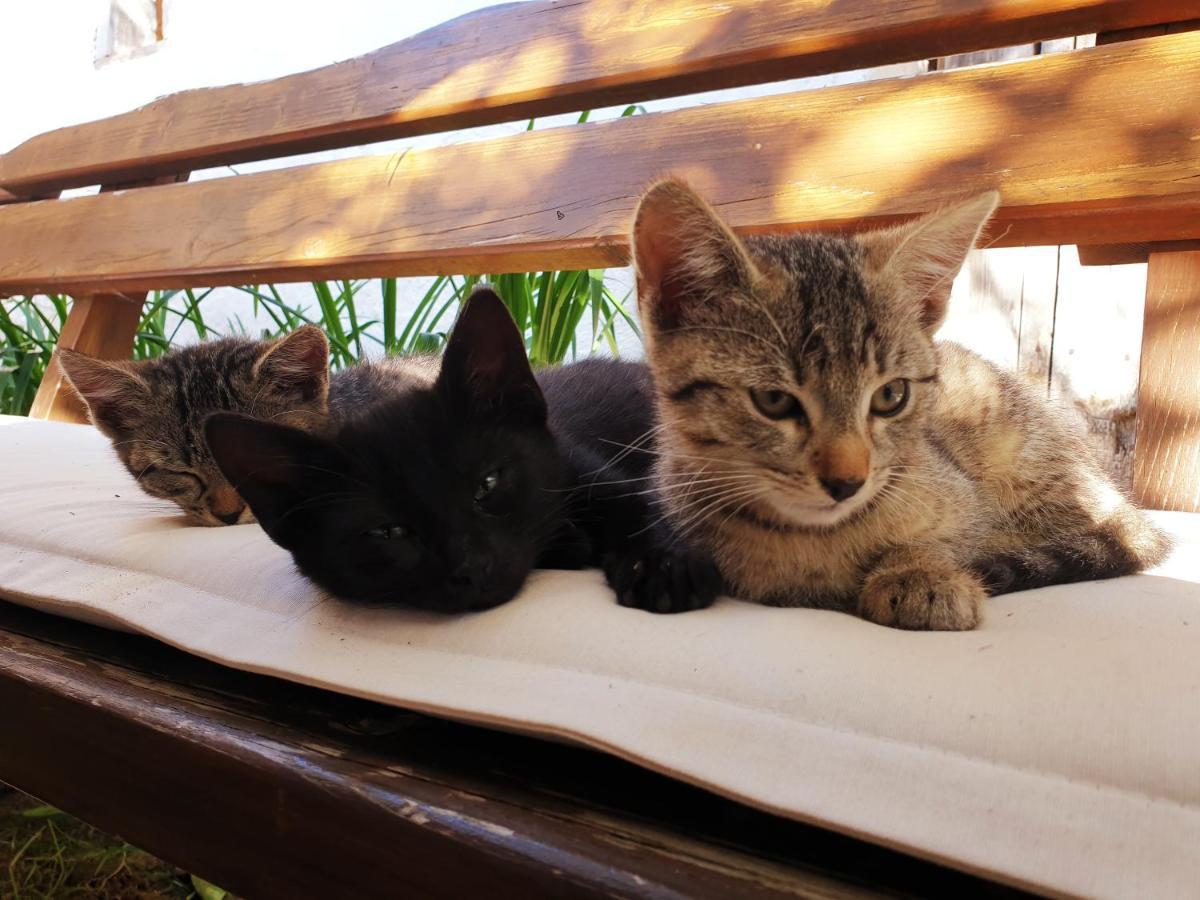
[840,489]
[473,572]
[229,518]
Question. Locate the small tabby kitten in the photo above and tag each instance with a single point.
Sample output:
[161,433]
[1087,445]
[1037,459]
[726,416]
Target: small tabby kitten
[461,476]
[154,411]
[827,452]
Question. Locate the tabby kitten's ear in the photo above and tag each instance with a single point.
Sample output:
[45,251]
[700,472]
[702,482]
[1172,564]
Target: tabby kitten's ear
[297,365]
[485,370]
[684,255]
[922,258]
[274,467]
[113,390]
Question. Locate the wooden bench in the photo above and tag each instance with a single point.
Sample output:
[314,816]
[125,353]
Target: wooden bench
[276,790]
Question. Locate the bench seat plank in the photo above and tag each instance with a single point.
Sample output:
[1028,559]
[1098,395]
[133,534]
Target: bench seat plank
[519,60]
[277,790]
[1078,153]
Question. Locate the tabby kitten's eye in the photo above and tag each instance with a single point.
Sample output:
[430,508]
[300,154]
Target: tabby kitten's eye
[387,532]
[891,398]
[176,484]
[776,404]
[487,484]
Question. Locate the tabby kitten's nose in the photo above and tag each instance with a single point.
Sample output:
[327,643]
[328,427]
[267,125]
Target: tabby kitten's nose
[841,489]
[232,517]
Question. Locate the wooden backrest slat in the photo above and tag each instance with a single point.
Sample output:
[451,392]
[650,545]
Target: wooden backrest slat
[1071,140]
[539,58]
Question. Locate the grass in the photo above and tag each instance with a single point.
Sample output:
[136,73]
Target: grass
[46,855]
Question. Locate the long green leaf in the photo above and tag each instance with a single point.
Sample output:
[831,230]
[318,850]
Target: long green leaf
[388,291]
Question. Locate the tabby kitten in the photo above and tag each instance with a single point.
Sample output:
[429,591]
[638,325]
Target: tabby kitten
[447,488]
[828,452]
[154,411]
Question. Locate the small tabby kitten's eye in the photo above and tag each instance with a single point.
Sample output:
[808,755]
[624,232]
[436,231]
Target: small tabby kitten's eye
[891,398]
[776,404]
[487,484]
[184,484]
[386,532]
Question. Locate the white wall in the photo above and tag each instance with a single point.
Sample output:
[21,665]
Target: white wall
[47,49]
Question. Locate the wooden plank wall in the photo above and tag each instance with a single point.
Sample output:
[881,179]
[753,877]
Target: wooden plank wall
[1075,330]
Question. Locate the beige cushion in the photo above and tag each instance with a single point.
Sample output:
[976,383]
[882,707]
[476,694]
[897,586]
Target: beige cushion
[1056,747]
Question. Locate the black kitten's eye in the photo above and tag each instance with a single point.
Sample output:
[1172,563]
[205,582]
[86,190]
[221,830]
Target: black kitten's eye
[386,531]
[487,484]
[891,398]
[775,404]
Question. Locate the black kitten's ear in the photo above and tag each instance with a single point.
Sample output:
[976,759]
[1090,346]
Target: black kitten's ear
[919,260]
[274,467]
[485,367]
[684,255]
[297,365]
[114,391]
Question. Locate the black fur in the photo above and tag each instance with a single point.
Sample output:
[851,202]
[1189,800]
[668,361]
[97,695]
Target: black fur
[388,509]
[392,508]
[602,413]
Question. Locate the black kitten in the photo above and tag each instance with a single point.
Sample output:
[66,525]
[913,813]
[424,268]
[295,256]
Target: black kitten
[442,496]
[602,414]
[448,492]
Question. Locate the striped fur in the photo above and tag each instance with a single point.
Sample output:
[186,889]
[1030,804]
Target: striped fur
[154,411]
[976,485]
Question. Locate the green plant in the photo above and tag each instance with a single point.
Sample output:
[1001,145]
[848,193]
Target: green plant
[29,333]
[46,853]
[29,329]
[551,308]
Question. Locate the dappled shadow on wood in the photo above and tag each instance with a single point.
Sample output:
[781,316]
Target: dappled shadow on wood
[538,58]
[1070,140]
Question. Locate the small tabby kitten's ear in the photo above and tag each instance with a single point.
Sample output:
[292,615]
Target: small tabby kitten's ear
[297,364]
[683,254]
[114,392]
[923,257]
[485,368]
[273,467]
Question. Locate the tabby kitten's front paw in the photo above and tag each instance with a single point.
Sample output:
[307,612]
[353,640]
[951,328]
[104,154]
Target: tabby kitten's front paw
[663,580]
[923,599]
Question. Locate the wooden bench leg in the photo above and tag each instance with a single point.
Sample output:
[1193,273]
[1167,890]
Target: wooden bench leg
[100,325]
[1166,467]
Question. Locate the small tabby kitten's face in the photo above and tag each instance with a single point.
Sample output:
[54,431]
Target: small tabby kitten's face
[793,370]
[154,411]
[440,497]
